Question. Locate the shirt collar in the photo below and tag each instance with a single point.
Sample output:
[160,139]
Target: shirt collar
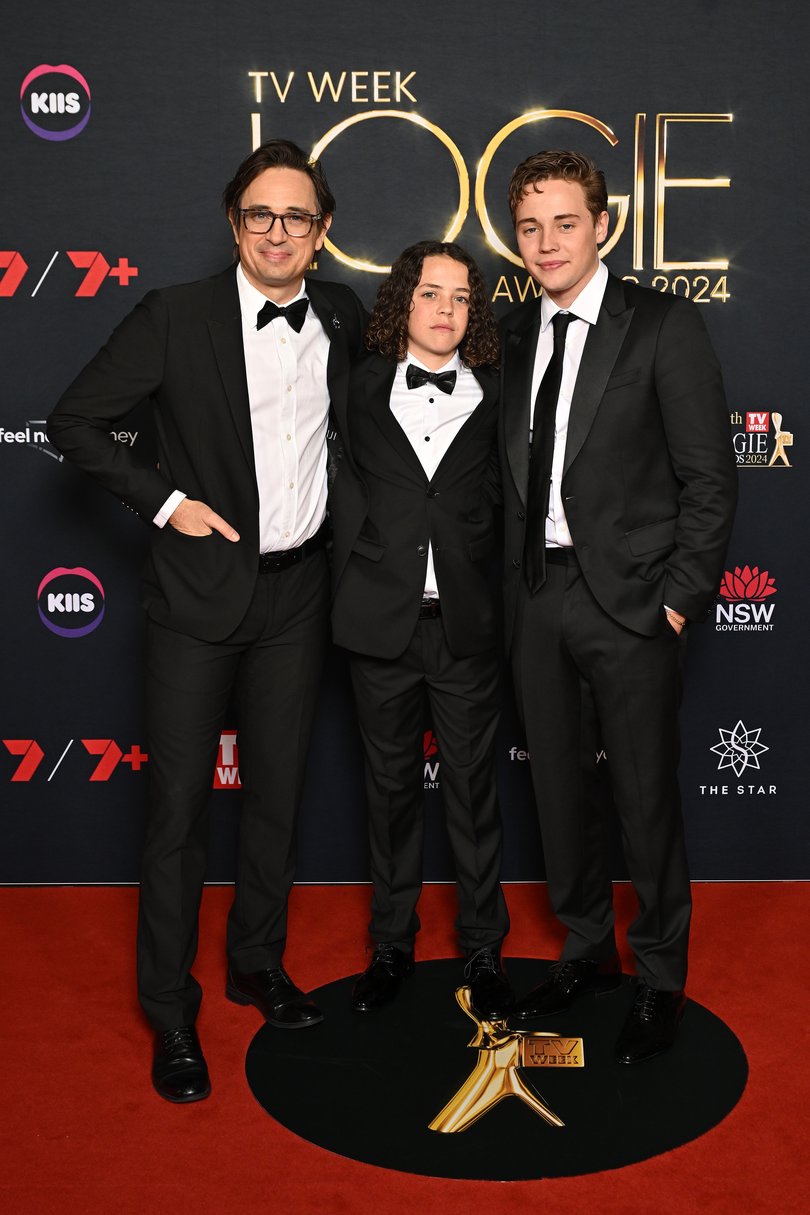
[455,364]
[587,304]
[251,300]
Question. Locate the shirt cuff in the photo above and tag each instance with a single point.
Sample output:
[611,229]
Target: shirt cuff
[168,508]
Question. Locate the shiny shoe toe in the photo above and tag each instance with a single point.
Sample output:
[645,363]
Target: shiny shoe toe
[566,981]
[490,990]
[179,1070]
[381,980]
[651,1024]
[273,992]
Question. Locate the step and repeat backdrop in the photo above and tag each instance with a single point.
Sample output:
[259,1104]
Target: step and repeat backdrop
[120,125]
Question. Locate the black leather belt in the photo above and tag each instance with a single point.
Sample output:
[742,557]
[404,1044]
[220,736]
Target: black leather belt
[430,609]
[561,556]
[273,563]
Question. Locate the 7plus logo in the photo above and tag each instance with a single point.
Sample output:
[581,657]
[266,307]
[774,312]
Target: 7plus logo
[109,755]
[97,268]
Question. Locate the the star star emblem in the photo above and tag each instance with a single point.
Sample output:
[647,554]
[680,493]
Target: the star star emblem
[739,748]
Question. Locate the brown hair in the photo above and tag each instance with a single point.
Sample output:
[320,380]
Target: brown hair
[560,166]
[388,327]
[276,154]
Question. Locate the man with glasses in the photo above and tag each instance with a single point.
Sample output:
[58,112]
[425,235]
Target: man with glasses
[247,373]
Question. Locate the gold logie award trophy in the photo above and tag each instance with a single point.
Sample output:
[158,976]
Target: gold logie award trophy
[501,1051]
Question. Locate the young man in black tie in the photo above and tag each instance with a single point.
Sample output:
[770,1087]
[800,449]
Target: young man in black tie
[616,529]
[243,370]
[413,520]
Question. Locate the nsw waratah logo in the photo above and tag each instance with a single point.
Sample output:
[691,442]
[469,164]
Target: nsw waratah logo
[745,600]
[55,101]
[70,602]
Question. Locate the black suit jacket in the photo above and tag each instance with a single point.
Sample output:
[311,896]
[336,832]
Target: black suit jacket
[649,482]
[182,347]
[385,511]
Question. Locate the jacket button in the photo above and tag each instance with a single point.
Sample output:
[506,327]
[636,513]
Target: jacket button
[516,563]
[521,515]
[421,549]
[433,493]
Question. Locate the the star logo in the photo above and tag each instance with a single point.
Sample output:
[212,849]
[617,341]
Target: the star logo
[739,749]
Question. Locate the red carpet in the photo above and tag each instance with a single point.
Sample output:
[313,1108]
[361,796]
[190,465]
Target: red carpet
[82,1131]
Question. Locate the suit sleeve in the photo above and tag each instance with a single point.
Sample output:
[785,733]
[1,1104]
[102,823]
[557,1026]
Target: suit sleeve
[695,416]
[126,371]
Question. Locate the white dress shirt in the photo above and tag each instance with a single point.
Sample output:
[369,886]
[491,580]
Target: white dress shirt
[289,412]
[585,310]
[431,419]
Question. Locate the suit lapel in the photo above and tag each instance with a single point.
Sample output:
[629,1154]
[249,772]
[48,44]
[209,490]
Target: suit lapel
[520,345]
[225,328]
[489,386]
[379,380]
[602,346]
[337,366]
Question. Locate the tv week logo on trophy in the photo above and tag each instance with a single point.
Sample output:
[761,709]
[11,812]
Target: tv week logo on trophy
[55,101]
[760,440]
[226,771]
[745,604]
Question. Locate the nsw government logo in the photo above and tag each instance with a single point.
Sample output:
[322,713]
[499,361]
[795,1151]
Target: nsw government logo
[55,101]
[760,440]
[746,605]
[70,602]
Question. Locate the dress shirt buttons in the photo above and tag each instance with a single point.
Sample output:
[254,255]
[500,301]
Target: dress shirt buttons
[427,438]
[292,485]
[289,388]
[289,437]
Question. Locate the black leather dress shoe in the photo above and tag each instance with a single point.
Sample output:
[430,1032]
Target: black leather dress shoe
[651,1024]
[275,995]
[379,982]
[490,990]
[179,1070]
[566,981]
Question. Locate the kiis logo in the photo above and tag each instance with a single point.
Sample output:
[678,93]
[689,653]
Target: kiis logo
[70,601]
[746,609]
[55,101]
[753,445]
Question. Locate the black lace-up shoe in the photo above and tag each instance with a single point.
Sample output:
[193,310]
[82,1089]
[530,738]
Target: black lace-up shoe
[275,995]
[490,990]
[380,981]
[651,1024]
[179,1070]
[566,981]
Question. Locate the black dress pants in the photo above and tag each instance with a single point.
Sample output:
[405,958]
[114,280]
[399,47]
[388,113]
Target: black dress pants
[270,669]
[396,699]
[567,649]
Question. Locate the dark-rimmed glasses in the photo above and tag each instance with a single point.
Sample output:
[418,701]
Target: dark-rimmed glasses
[259,221]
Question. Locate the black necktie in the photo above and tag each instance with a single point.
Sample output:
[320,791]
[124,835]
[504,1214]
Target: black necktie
[294,313]
[415,377]
[545,410]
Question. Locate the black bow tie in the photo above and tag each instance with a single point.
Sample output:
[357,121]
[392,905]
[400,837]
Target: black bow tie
[415,377]
[294,314]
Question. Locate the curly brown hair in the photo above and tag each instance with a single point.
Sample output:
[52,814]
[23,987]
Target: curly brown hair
[388,327]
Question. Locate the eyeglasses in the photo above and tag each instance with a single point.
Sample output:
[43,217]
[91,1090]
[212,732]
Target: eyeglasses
[259,221]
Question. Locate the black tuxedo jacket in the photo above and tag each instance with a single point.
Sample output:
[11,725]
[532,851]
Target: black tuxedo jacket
[385,511]
[182,347]
[649,482]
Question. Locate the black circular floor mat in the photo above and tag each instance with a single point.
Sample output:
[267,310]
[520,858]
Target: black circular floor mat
[367,1085]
